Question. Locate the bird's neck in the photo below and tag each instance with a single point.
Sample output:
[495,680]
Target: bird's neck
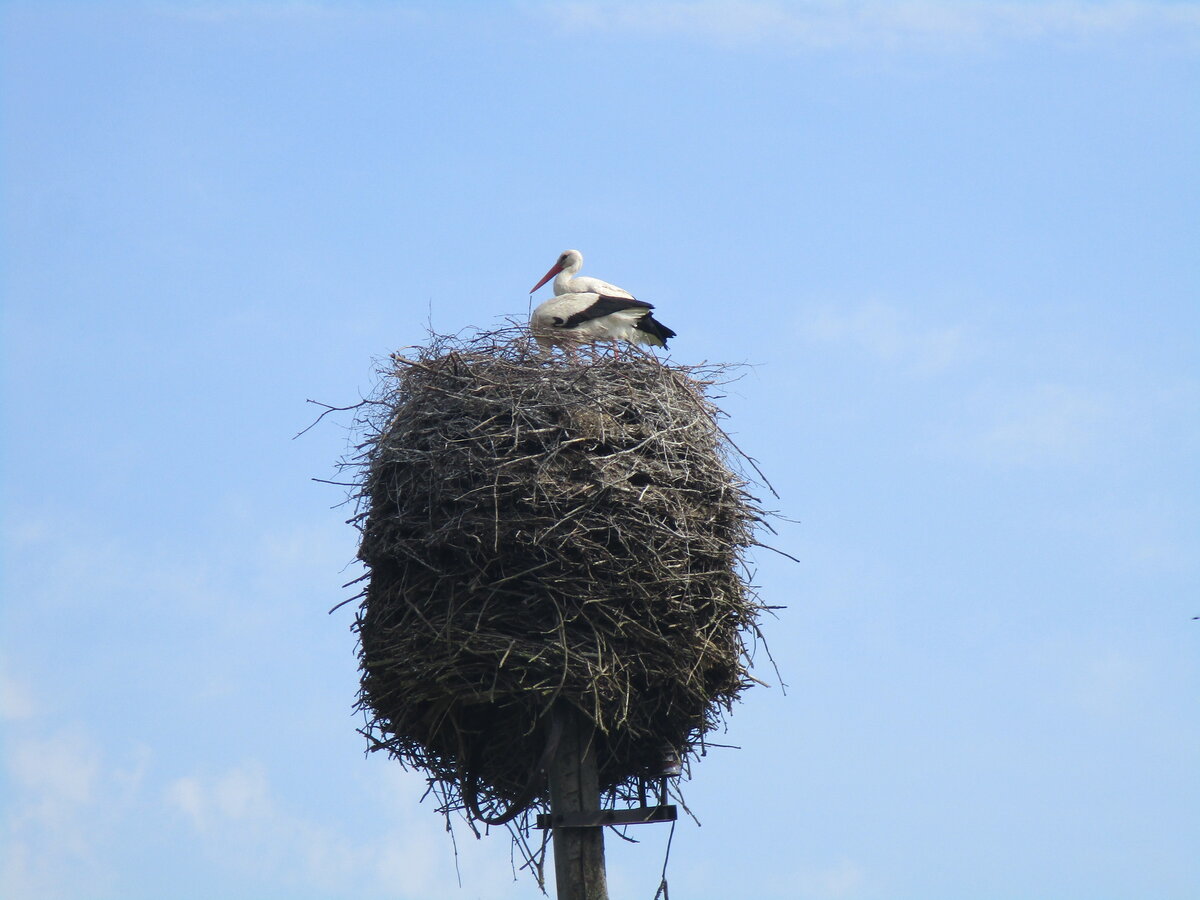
[562,281]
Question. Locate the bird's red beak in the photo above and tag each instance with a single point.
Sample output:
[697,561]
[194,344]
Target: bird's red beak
[554,270]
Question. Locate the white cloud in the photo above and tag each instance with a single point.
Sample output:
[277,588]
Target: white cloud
[282,12]
[238,795]
[837,23]
[1047,423]
[841,879]
[1140,534]
[64,801]
[16,702]
[245,826]
[58,774]
[1097,675]
[1108,683]
[1043,424]
[187,795]
[51,838]
[69,806]
[888,335]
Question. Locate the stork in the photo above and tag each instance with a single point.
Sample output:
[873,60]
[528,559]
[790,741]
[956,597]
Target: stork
[585,310]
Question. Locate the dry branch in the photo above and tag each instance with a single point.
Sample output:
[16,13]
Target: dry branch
[541,528]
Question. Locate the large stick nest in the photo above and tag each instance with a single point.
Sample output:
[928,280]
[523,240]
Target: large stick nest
[545,529]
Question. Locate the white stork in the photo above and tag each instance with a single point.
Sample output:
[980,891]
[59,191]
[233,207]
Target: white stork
[585,309]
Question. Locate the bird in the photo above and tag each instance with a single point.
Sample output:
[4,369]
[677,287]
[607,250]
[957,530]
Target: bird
[585,310]
[563,271]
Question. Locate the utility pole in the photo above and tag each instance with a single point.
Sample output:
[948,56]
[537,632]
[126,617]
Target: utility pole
[575,796]
[575,814]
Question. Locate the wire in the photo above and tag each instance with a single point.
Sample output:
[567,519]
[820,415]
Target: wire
[662,883]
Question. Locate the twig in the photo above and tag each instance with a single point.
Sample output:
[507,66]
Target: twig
[328,410]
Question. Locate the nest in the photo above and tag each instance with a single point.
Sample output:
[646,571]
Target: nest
[542,529]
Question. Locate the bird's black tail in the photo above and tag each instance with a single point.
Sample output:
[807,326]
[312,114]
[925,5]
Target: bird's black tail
[657,333]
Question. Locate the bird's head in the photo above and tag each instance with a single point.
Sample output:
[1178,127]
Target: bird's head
[570,260]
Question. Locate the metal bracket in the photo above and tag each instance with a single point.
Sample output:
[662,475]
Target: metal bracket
[637,816]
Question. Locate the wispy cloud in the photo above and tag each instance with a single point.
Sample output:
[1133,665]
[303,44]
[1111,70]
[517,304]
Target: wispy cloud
[244,825]
[241,824]
[1050,423]
[999,417]
[837,881]
[889,335]
[838,23]
[60,774]
[1108,682]
[216,12]
[58,795]
[236,795]
[69,803]
[16,702]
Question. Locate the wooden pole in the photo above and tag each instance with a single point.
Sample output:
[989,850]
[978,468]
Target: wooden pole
[574,788]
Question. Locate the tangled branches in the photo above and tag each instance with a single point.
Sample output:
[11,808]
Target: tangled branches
[542,529]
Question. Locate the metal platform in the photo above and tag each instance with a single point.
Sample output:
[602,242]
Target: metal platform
[637,816]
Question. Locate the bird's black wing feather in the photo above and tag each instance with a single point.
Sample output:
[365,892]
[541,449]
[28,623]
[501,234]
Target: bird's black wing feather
[605,306]
[656,329]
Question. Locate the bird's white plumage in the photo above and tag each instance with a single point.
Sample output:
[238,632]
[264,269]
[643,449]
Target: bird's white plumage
[566,282]
[587,309]
[549,322]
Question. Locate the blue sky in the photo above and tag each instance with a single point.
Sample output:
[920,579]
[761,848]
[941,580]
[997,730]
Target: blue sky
[954,241]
